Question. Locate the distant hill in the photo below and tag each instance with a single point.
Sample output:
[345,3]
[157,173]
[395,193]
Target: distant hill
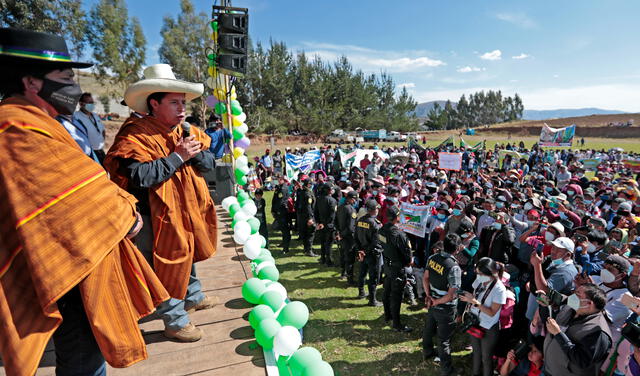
[422,109]
[565,113]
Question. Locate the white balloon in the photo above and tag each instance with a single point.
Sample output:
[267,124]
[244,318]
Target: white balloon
[263,265]
[241,232]
[277,286]
[227,202]
[263,241]
[242,117]
[242,128]
[252,248]
[242,161]
[287,340]
[241,216]
[250,208]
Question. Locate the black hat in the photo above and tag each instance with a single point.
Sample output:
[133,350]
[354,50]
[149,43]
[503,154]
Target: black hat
[464,227]
[371,205]
[20,46]
[352,194]
[393,211]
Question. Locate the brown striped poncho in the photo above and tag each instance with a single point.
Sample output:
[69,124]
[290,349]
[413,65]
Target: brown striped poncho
[182,212]
[64,224]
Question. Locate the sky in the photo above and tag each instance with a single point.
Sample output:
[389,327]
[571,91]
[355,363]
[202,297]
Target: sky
[554,54]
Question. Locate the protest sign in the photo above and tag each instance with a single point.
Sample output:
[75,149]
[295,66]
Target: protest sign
[550,137]
[450,161]
[632,164]
[413,218]
[590,164]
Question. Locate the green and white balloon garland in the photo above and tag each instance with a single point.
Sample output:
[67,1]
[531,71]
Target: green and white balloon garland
[276,320]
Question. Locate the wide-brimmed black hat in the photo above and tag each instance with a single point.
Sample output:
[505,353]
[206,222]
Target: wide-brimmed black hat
[19,46]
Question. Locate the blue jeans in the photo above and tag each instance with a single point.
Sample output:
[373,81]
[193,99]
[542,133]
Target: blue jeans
[172,311]
[77,352]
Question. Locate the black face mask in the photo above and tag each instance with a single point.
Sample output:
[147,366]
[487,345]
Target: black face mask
[63,97]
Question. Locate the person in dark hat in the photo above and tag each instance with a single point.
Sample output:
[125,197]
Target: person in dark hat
[325,213]
[346,226]
[280,211]
[305,204]
[397,256]
[220,136]
[369,251]
[62,275]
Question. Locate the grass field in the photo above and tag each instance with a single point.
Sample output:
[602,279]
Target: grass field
[350,335]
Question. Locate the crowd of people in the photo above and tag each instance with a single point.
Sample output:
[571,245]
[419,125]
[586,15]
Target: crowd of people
[529,255]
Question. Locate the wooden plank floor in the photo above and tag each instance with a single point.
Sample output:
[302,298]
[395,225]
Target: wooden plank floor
[228,346]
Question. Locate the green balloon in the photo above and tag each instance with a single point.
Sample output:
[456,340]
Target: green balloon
[214,25]
[269,272]
[242,180]
[259,313]
[265,332]
[252,290]
[264,252]
[239,174]
[236,109]
[237,134]
[255,224]
[273,299]
[221,108]
[320,368]
[233,209]
[243,196]
[264,258]
[294,314]
[303,357]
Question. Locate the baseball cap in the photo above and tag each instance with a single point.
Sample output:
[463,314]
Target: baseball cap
[393,211]
[558,227]
[352,194]
[564,243]
[371,205]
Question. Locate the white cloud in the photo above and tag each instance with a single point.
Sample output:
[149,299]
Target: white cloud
[408,85]
[469,69]
[493,55]
[521,56]
[372,60]
[518,19]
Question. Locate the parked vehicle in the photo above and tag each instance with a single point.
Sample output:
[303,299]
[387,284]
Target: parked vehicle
[396,136]
[414,135]
[374,135]
[339,136]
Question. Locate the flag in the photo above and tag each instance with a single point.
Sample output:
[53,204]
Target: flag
[413,144]
[476,147]
[557,137]
[463,144]
[447,142]
[300,164]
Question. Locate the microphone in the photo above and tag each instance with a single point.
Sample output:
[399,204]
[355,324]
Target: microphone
[186,130]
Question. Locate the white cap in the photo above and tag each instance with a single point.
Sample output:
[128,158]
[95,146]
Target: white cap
[564,243]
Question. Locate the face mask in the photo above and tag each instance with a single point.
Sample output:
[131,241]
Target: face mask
[548,189]
[627,254]
[457,212]
[548,236]
[483,278]
[557,262]
[90,107]
[497,226]
[587,202]
[499,205]
[591,248]
[571,193]
[528,206]
[574,302]
[458,191]
[530,223]
[441,216]
[606,276]
[464,236]
[393,199]
[63,97]
[375,193]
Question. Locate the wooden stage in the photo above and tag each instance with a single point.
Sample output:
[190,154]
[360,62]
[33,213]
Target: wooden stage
[227,347]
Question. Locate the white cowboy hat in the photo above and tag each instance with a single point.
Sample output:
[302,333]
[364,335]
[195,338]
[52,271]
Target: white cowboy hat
[159,78]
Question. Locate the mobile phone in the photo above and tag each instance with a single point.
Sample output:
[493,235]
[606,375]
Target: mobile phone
[630,301]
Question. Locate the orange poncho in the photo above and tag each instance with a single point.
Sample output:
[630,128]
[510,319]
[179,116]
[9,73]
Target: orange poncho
[64,224]
[182,212]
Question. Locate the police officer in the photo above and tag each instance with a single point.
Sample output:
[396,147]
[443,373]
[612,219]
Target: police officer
[346,223]
[442,279]
[261,214]
[325,212]
[369,251]
[305,201]
[397,255]
[280,212]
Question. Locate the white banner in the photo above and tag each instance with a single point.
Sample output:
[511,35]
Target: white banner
[450,161]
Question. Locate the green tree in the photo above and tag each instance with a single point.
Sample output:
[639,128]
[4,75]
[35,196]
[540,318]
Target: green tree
[183,42]
[118,44]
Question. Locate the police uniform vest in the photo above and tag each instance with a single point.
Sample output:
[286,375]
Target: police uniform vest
[366,233]
[390,237]
[557,363]
[327,207]
[439,266]
[346,220]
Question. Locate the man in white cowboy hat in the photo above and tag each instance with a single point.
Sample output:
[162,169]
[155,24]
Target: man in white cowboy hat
[160,161]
